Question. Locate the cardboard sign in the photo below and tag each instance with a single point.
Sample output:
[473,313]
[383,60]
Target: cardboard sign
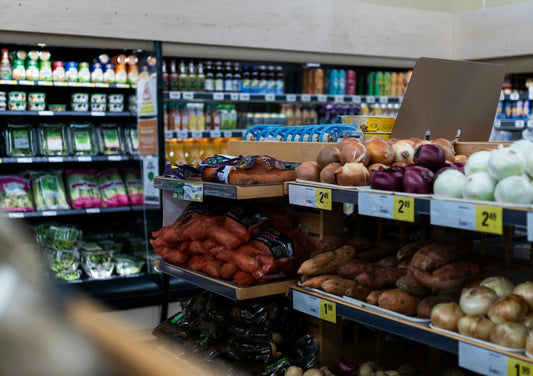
[147,131]
[447,95]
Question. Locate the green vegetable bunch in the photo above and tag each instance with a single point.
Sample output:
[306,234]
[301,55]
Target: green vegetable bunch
[58,237]
[49,191]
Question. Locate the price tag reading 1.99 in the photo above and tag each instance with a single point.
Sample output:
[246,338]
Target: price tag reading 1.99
[404,209]
[323,198]
[489,219]
[328,311]
[516,367]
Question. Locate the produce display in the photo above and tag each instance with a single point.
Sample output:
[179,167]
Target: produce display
[53,139]
[83,139]
[112,189]
[494,310]
[252,169]
[15,195]
[48,191]
[82,186]
[20,140]
[241,244]
[134,186]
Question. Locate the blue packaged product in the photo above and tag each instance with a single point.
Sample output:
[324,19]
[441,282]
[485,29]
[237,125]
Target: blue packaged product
[341,87]
[293,130]
[336,132]
[253,133]
[268,134]
[333,82]
[298,134]
[307,135]
[282,134]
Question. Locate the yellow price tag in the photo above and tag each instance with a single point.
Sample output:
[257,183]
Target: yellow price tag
[328,311]
[404,209]
[489,219]
[516,367]
[323,198]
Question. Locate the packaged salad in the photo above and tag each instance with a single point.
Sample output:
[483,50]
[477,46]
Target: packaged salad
[134,186]
[20,140]
[82,186]
[110,139]
[83,139]
[58,237]
[53,139]
[112,188]
[15,194]
[132,139]
[48,191]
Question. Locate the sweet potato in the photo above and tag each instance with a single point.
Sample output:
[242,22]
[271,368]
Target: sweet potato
[409,284]
[399,301]
[424,307]
[339,286]
[373,296]
[378,251]
[228,270]
[388,262]
[434,256]
[328,262]
[316,282]
[357,292]
[379,279]
[360,243]
[447,279]
[214,267]
[404,264]
[328,243]
[407,251]
[352,268]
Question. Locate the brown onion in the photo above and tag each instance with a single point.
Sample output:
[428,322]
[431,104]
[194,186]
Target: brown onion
[308,170]
[527,321]
[475,326]
[509,308]
[341,143]
[330,154]
[399,164]
[403,152]
[525,290]
[380,151]
[392,140]
[446,315]
[420,143]
[529,344]
[354,151]
[414,140]
[327,175]
[374,167]
[409,141]
[352,174]
[501,285]
[444,143]
[509,334]
[477,300]
[461,158]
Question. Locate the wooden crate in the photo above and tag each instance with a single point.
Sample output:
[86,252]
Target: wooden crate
[284,151]
[469,148]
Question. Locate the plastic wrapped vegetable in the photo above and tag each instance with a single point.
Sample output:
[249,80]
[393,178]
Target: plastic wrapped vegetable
[53,139]
[83,189]
[134,186]
[112,188]
[96,262]
[64,260]
[15,194]
[110,139]
[58,237]
[48,191]
[132,140]
[20,140]
[83,139]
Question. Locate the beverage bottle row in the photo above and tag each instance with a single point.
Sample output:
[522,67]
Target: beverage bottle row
[199,117]
[391,84]
[194,151]
[329,81]
[222,77]
[513,110]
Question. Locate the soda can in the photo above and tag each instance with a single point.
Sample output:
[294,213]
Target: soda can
[378,89]
[371,83]
[387,84]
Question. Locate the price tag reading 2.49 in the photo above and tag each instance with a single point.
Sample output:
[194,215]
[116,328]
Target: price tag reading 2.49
[489,219]
[387,206]
[311,197]
[404,209]
[323,198]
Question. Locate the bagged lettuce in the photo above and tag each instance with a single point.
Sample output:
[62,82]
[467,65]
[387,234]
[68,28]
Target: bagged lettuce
[83,139]
[112,188]
[83,189]
[53,139]
[15,194]
[134,186]
[20,140]
[49,191]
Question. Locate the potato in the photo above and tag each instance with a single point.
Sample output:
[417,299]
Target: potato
[399,301]
[294,371]
[328,262]
[316,281]
[339,286]
[313,372]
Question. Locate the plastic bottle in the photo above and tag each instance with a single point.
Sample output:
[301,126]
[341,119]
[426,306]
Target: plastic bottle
[341,87]
[209,77]
[219,77]
[290,115]
[236,86]
[298,116]
[174,86]
[254,80]
[191,78]
[200,117]
[200,78]
[208,117]
[271,85]
[183,78]
[228,77]
[232,117]
[184,118]
[245,82]
[165,76]
[224,117]
[263,80]
[193,119]
[215,114]
[280,80]
[171,117]
[5,66]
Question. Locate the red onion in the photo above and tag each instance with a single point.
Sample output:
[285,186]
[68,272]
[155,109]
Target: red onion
[388,179]
[430,156]
[417,179]
[460,166]
[345,368]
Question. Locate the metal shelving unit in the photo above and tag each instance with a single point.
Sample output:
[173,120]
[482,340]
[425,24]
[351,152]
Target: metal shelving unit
[69,158]
[66,114]
[103,85]
[59,213]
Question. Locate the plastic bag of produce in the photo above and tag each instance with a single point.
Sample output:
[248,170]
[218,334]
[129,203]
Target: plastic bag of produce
[82,188]
[83,139]
[53,139]
[112,189]
[110,139]
[134,186]
[20,140]
[244,222]
[48,191]
[58,237]
[15,194]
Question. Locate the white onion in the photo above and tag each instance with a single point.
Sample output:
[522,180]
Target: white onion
[506,162]
[509,334]
[446,315]
[477,162]
[527,321]
[525,290]
[501,285]
[479,186]
[514,190]
[477,300]
[510,308]
[475,326]
[403,152]
[449,184]
[529,164]
[524,147]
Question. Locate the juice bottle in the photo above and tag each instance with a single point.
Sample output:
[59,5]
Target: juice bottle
[184,118]
[271,84]
[305,81]
[341,87]
[232,122]
[228,77]
[236,86]
[254,80]
[165,76]
[183,78]
[195,154]
[298,116]
[350,82]
[263,79]
[280,80]
[219,77]
[200,117]
[191,78]
[171,115]
[289,113]
[174,86]
[209,77]
[319,81]
[5,65]
[169,151]
[193,119]
[245,82]
[215,114]
[179,153]
[208,117]
[200,78]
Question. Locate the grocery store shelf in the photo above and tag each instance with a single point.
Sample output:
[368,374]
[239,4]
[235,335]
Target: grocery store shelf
[66,159]
[59,213]
[516,97]
[236,192]
[66,114]
[396,325]
[102,85]
[283,98]
[224,288]
[182,135]
[513,125]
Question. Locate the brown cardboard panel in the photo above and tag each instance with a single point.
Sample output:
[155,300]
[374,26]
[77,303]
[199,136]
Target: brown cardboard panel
[285,151]
[446,95]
